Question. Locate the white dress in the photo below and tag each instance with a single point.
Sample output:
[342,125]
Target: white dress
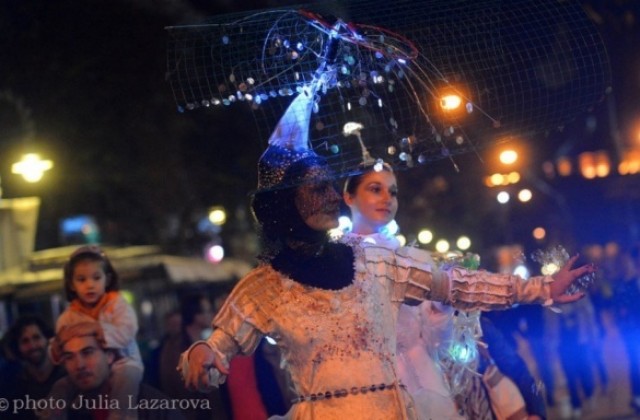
[420,330]
[339,345]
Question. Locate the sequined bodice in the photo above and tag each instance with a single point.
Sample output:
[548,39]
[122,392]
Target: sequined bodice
[330,340]
[320,331]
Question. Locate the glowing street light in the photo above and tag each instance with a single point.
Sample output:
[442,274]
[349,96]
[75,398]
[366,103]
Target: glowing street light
[539,233]
[450,102]
[463,243]
[31,167]
[214,253]
[508,157]
[217,216]
[425,236]
[525,195]
[503,197]
[442,245]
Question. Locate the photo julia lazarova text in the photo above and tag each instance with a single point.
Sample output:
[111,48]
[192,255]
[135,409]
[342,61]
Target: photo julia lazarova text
[101,402]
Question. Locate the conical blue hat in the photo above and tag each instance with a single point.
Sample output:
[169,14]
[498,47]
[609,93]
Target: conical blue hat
[289,143]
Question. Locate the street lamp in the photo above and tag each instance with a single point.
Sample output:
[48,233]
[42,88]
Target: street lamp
[31,167]
[463,243]
[508,157]
[425,236]
[217,215]
[442,245]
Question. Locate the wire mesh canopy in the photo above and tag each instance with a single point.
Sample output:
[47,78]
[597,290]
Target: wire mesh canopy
[408,82]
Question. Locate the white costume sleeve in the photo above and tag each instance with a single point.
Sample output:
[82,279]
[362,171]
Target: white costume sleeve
[417,279]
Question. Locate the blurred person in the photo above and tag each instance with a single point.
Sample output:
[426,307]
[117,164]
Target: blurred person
[91,286]
[622,269]
[533,324]
[89,362]
[505,357]
[196,314]
[28,341]
[601,294]
[172,323]
[578,336]
[9,365]
[540,329]
[543,341]
[171,327]
[8,362]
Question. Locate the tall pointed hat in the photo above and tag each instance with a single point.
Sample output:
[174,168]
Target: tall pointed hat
[288,144]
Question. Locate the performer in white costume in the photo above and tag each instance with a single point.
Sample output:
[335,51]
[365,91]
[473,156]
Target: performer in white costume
[372,197]
[332,307]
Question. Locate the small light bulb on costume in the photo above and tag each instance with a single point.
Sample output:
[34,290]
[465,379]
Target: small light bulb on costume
[463,352]
[353,128]
[390,229]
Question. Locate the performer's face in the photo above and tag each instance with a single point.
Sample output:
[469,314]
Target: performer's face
[374,203]
[318,201]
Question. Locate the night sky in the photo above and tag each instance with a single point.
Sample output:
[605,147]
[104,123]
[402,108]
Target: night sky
[87,78]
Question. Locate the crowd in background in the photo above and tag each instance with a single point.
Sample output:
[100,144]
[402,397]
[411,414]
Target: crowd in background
[255,389]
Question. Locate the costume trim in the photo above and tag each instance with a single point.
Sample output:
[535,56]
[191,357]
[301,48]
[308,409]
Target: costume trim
[339,393]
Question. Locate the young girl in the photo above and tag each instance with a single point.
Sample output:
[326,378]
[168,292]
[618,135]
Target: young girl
[91,286]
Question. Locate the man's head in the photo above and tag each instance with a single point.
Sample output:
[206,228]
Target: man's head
[196,311]
[28,340]
[84,355]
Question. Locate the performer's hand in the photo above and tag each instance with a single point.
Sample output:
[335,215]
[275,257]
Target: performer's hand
[201,371]
[565,277]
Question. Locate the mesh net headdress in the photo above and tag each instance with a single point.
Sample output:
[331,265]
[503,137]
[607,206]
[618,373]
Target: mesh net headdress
[379,71]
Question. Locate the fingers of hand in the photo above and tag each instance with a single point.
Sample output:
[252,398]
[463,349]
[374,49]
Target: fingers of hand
[585,269]
[198,382]
[219,365]
[569,298]
[570,262]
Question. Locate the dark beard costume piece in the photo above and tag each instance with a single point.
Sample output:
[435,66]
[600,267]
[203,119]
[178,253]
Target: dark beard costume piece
[331,268]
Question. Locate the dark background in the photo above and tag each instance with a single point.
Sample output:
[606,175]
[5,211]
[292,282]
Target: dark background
[83,83]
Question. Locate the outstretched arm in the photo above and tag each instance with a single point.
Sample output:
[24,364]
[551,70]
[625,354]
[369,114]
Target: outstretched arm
[417,280]
[489,291]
